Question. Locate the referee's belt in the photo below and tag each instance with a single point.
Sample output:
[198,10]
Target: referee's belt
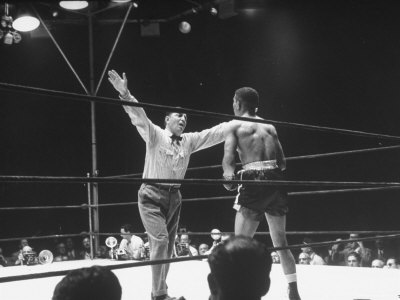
[166,187]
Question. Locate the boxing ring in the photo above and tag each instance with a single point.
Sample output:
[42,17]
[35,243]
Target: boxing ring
[187,276]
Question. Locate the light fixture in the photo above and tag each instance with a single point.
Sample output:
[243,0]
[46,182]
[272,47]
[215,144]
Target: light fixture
[7,33]
[26,23]
[9,29]
[8,38]
[17,37]
[134,3]
[213,11]
[184,27]
[74,5]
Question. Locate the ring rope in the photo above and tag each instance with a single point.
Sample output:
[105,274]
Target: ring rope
[45,207]
[84,205]
[311,156]
[337,191]
[180,259]
[81,97]
[260,233]
[42,237]
[193,181]
[205,233]
[344,241]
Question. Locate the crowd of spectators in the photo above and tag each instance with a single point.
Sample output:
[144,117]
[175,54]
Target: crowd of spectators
[238,261]
[62,250]
[379,253]
[382,254]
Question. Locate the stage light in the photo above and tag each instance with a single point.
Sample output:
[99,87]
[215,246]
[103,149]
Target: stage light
[74,5]
[26,23]
[17,37]
[213,11]
[6,21]
[8,38]
[134,3]
[184,27]
[7,32]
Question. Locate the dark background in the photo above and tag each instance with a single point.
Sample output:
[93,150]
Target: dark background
[326,63]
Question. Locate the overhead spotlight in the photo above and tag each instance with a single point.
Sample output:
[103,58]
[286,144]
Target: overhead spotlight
[74,5]
[26,23]
[184,27]
[213,11]
[134,3]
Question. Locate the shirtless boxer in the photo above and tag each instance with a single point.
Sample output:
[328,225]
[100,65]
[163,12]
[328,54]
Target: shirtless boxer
[262,158]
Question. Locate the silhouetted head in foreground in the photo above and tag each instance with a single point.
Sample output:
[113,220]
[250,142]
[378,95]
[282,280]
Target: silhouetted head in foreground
[92,283]
[240,269]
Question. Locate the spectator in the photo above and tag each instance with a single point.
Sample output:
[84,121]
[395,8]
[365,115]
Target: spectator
[27,257]
[102,252]
[315,259]
[275,258]
[356,246]
[377,263]
[92,283]
[72,253]
[382,250]
[365,253]
[304,258]
[85,252]
[60,253]
[17,254]
[354,259]
[131,244]
[392,263]
[203,249]
[184,248]
[335,256]
[240,269]
[185,238]
[216,236]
